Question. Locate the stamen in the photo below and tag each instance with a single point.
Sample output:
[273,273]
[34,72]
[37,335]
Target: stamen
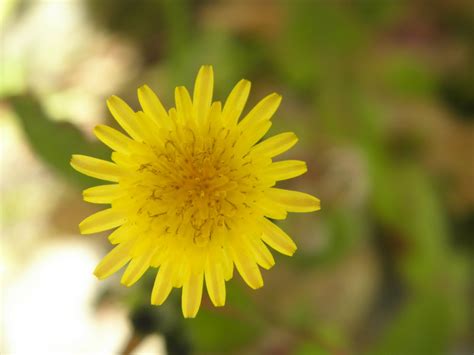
[198,180]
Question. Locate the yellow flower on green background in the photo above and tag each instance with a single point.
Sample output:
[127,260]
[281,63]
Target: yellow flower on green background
[192,191]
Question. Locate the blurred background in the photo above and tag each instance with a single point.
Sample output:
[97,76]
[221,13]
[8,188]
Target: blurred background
[381,94]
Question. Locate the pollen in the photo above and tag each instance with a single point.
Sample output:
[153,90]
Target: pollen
[193,191]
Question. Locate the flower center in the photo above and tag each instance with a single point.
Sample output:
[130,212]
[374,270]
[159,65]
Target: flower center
[195,186]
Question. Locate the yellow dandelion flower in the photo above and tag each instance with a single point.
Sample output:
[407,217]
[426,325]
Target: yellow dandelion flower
[193,191]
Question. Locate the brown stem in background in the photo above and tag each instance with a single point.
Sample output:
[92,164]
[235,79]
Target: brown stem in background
[132,344]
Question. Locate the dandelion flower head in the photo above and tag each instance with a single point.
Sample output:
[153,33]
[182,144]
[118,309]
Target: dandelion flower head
[192,191]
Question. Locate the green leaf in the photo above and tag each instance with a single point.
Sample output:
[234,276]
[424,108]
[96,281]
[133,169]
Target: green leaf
[422,327]
[220,331]
[409,76]
[311,349]
[55,142]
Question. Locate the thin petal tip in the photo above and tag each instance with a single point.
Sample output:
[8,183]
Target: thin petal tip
[112,98]
[155,303]
[292,251]
[74,159]
[97,128]
[218,300]
[180,89]
[316,205]
[82,230]
[245,82]
[75,162]
[126,282]
[206,67]
[256,286]
[97,273]
[219,303]
[159,297]
[144,87]
[289,250]
[256,283]
[187,313]
[277,97]
[269,265]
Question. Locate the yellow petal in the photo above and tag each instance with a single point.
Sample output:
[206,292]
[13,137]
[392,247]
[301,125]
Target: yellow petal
[252,135]
[215,283]
[173,117]
[246,265]
[262,255]
[294,201]
[270,209]
[287,169]
[236,101]
[137,267]
[263,111]
[101,221]
[121,234]
[179,271]
[192,294]
[184,106]
[153,107]
[227,264]
[202,96]
[102,194]
[125,117]
[275,237]
[123,160]
[97,168]
[151,131]
[276,145]
[162,286]
[113,261]
[113,138]
[159,257]
[213,115]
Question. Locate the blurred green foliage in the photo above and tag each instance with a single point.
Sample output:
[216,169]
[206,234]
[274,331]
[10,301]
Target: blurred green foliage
[54,142]
[345,68]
